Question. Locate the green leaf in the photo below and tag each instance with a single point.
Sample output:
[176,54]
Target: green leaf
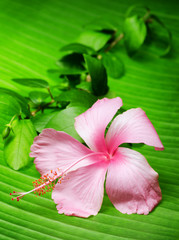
[95,40]
[98,75]
[73,80]
[102,24]
[113,64]
[8,108]
[20,99]
[135,32]
[54,74]
[38,97]
[65,119]
[61,81]
[78,98]
[160,35]
[86,86]
[30,82]
[17,145]
[41,120]
[6,132]
[137,9]
[70,64]
[77,48]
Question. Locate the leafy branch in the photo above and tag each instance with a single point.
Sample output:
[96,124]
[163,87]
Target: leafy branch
[81,77]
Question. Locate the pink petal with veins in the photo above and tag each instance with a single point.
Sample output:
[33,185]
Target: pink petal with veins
[132,185]
[132,126]
[53,149]
[81,192]
[91,124]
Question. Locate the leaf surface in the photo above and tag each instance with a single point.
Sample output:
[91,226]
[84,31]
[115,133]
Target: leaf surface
[135,32]
[70,64]
[98,75]
[65,119]
[102,24]
[17,145]
[94,40]
[38,97]
[113,65]
[9,107]
[29,82]
[20,99]
[77,48]
[78,98]
[41,120]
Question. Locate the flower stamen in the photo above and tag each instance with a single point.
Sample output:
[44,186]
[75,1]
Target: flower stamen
[47,181]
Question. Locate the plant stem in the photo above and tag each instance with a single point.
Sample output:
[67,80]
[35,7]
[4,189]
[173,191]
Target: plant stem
[121,36]
[146,16]
[12,119]
[33,113]
[48,89]
[114,42]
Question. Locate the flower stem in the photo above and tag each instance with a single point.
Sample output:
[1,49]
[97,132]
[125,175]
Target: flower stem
[121,36]
[146,16]
[33,113]
[48,89]
[114,42]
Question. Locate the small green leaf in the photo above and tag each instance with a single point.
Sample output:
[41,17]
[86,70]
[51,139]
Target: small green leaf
[137,9]
[29,82]
[6,132]
[98,75]
[102,24]
[73,80]
[17,145]
[65,119]
[54,74]
[86,86]
[71,64]
[41,120]
[8,108]
[61,81]
[78,48]
[135,32]
[78,98]
[95,40]
[113,65]
[20,99]
[165,38]
[38,97]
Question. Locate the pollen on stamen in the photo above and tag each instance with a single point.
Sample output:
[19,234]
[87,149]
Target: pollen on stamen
[46,183]
[18,197]
[48,178]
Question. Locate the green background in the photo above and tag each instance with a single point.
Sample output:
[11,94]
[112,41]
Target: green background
[31,33]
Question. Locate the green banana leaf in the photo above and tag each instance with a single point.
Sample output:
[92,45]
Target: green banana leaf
[31,34]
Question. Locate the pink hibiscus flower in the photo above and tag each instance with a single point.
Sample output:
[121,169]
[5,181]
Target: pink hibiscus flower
[77,173]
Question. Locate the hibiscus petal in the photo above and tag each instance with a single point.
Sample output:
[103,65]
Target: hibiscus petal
[53,149]
[91,124]
[81,192]
[131,184]
[132,126]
